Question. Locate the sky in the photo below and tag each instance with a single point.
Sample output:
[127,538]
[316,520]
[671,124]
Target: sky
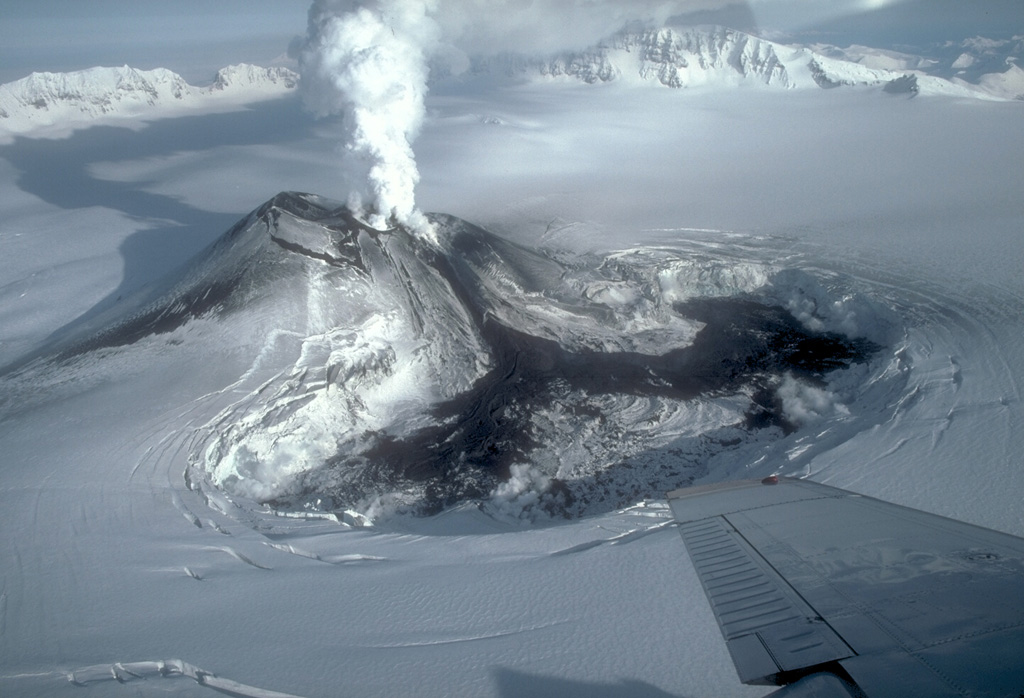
[191,37]
[195,37]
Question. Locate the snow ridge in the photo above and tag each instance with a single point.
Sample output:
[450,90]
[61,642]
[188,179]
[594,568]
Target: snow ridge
[125,672]
[92,92]
[676,58]
[254,77]
[46,99]
[712,56]
[989,65]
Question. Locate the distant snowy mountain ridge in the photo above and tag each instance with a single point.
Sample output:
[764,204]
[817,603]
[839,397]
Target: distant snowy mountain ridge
[684,57]
[61,99]
[993,65]
[247,76]
[676,57]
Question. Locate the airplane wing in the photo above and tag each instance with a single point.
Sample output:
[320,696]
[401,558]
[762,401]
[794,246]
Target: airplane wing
[831,593]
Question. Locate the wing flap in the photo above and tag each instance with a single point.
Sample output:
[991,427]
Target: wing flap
[767,626]
[805,578]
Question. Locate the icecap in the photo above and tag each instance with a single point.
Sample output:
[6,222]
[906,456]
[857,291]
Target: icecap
[117,568]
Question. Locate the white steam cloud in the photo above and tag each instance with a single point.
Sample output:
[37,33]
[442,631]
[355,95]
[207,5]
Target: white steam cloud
[369,60]
[804,404]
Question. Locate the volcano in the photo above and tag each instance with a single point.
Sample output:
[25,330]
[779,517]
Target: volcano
[379,370]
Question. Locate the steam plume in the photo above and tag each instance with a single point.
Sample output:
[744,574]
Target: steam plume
[368,61]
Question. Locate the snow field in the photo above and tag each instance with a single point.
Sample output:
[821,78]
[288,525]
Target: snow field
[110,556]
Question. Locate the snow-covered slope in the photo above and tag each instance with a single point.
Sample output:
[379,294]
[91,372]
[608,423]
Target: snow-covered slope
[988,66]
[875,58]
[992,64]
[687,57]
[678,58]
[63,100]
[1008,84]
[254,79]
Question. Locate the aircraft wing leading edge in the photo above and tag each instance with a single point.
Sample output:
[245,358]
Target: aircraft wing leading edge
[842,594]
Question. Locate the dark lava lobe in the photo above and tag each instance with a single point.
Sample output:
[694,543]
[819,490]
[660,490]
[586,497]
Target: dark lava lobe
[483,432]
[744,345]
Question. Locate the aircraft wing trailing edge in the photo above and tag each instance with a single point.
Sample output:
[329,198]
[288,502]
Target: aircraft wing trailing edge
[831,593]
